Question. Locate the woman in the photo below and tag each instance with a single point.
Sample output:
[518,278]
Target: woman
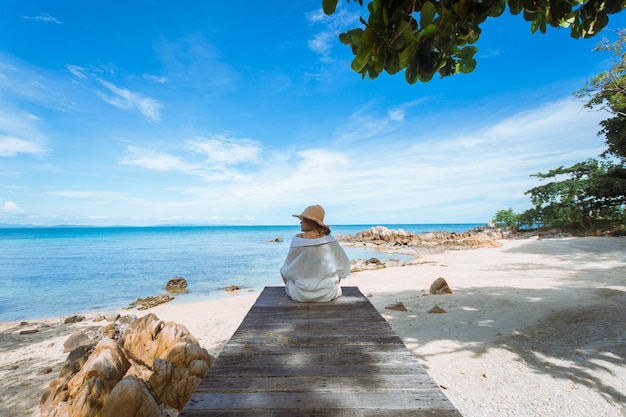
[316,262]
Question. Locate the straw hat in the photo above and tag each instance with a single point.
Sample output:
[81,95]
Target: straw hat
[314,213]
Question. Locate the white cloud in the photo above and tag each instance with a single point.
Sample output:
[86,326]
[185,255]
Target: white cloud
[321,159]
[160,80]
[11,146]
[149,159]
[322,42]
[77,71]
[221,150]
[43,18]
[10,207]
[107,195]
[130,100]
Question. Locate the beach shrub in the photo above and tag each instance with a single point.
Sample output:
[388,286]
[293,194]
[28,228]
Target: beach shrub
[507,218]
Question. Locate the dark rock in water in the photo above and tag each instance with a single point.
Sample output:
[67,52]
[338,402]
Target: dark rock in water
[177,284]
[276,239]
[232,288]
[437,310]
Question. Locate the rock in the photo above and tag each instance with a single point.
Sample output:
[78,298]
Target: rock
[276,239]
[131,398]
[31,331]
[45,371]
[74,319]
[83,393]
[111,317]
[174,358]
[232,288]
[153,366]
[111,331]
[176,285]
[357,265]
[150,301]
[440,286]
[83,338]
[75,360]
[437,310]
[380,237]
[397,307]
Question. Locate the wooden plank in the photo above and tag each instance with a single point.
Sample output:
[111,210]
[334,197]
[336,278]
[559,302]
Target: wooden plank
[378,382]
[401,400]
[320,359]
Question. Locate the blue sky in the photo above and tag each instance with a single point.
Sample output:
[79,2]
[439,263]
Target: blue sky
[159,112]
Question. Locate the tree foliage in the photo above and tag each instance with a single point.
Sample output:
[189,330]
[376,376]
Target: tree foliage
[587,195]
[426,37]
[507,218]
[607,91]
[590,194]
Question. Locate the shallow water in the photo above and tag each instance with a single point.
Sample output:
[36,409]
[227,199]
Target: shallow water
[49,272]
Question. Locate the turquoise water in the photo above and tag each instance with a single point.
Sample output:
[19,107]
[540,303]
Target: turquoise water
[50,272]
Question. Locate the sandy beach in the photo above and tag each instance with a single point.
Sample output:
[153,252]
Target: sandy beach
[532,328]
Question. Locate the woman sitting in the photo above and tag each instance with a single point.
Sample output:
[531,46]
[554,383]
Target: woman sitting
[316,262]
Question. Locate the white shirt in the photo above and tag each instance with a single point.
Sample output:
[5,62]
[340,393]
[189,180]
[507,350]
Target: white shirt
[314,268]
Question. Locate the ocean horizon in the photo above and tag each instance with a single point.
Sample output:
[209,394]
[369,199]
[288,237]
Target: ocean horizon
[54,271]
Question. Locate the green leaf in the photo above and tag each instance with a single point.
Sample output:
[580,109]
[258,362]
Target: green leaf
[465,66]
[515,7]
[534,26]
[409,58]
[329,6]
[467,52]
[362,58]
[427,14]
[598,24]
[428,31]
[499,8]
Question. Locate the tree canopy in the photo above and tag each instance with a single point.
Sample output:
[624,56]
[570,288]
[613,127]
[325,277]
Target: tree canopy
[607,91]
[589,194]
[426,37]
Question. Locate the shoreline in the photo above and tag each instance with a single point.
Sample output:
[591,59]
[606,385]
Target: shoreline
[533,327]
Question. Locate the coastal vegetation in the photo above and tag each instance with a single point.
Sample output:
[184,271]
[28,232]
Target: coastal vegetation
[428,37]
[591,194]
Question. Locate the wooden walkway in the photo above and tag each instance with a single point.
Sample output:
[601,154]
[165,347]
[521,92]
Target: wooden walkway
[316,359]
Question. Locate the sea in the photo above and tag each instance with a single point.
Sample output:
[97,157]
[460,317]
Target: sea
[62,271]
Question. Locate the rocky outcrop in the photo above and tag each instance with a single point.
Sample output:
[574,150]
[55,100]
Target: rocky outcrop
[380,237]
[176,285]
[144,367]
[150,301]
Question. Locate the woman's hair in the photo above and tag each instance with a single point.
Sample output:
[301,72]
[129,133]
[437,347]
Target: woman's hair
[319,226]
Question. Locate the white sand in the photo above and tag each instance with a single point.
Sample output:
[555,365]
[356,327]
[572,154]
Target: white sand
[533,328]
